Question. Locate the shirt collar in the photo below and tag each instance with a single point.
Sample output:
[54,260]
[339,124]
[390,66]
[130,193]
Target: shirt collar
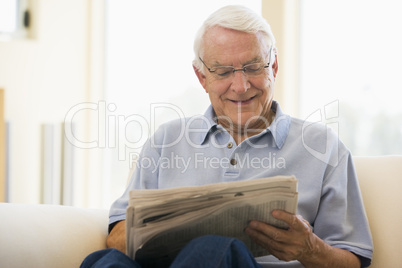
[279,127]
[208,124]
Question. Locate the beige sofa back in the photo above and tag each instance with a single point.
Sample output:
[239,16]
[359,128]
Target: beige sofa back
[380,181]
[41,236]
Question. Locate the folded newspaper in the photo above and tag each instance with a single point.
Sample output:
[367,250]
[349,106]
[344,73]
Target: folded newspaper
[160,222]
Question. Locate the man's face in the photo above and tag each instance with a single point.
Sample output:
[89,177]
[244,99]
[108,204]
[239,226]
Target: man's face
[243,100]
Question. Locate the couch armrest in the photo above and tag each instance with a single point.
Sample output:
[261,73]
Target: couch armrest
[49,235]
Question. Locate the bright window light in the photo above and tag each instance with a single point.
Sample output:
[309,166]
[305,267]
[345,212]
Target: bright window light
[351,64]
[8,16]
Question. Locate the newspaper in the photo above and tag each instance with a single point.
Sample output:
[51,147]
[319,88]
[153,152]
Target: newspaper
[160,222]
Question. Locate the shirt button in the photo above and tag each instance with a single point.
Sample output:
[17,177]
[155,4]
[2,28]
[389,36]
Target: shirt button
[230,145]
[233,162]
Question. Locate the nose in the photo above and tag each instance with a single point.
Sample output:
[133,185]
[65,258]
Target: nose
[240,83]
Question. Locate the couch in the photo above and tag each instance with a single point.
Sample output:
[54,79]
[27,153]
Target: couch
[61,236]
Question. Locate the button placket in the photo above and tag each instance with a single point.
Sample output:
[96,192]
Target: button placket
[232,161]
[232,170]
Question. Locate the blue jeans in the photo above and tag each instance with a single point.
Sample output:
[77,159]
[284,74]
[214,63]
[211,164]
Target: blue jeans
[206,251]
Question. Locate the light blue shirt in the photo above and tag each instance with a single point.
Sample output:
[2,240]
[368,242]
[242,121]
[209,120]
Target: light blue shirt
[198,151]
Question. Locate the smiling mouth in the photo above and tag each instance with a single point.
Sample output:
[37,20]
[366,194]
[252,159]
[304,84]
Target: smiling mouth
[243,102]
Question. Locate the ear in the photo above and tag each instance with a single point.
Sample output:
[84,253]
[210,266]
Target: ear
[275,66]
[201,77]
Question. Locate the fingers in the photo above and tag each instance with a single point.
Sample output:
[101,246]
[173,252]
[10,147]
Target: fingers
[269,231]
[295,222]
[284,244]
[270,238]
[265,235]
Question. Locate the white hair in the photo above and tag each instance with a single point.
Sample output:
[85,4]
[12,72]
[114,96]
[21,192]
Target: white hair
[233,17]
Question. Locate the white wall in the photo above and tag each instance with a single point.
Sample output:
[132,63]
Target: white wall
[43,78]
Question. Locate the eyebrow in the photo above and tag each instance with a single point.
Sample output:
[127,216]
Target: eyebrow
[253,60]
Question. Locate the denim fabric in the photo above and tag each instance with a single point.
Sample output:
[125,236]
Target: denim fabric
[208,251]
[109,258]
[215,251]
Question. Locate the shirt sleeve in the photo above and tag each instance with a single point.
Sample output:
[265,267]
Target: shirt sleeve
[341,219]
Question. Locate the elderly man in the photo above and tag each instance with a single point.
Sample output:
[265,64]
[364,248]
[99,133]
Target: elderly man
[236,63]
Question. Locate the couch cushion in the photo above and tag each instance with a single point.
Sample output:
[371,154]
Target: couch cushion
[49,235]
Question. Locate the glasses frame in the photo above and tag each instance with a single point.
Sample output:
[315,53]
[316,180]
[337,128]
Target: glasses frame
[241,69]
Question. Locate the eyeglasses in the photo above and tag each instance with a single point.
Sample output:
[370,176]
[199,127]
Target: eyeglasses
[253,69]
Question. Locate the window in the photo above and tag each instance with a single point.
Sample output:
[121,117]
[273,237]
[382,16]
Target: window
[351,61]
[8,16]
[14,18]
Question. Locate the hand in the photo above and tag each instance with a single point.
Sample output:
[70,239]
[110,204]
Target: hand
[295,243]
[299,243]
[117,237]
